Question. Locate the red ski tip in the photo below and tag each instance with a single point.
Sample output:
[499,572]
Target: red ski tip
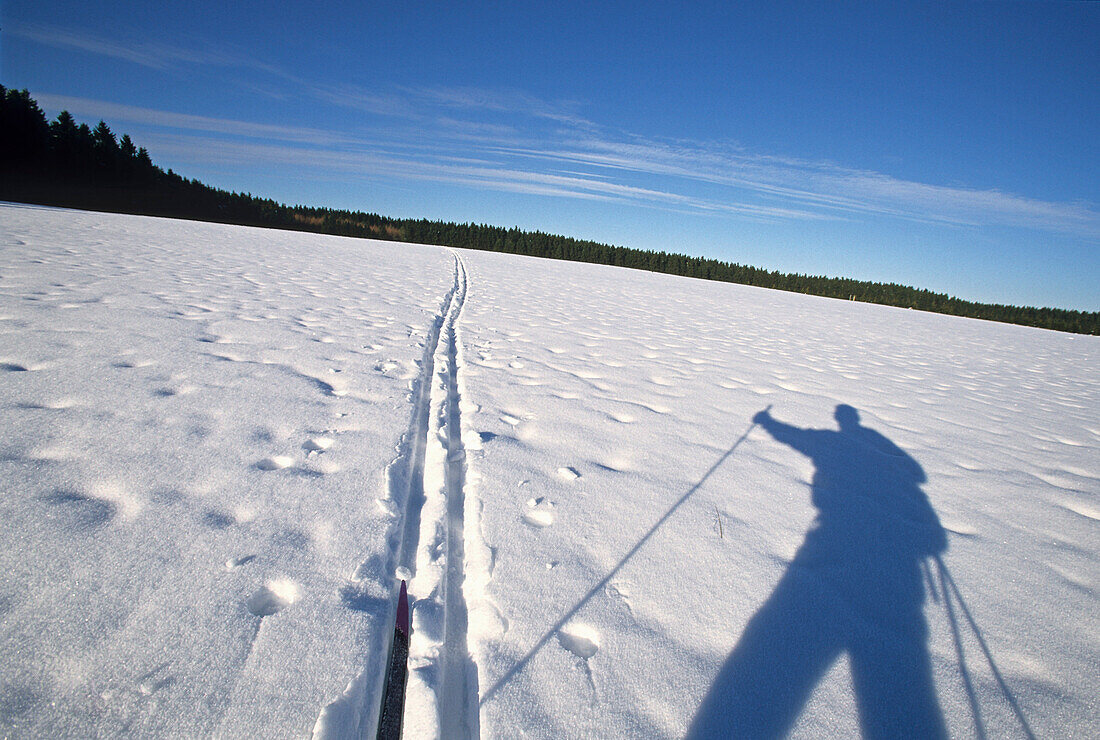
[403,610]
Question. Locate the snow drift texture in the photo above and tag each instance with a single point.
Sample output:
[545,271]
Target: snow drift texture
[689,508]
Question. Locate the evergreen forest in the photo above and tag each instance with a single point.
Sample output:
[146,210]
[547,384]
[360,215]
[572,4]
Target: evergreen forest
[70,164]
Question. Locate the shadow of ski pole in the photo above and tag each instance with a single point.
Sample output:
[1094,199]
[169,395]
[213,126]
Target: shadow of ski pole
[522,663]
[948,580]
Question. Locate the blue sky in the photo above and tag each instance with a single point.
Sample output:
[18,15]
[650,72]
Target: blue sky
[952,146]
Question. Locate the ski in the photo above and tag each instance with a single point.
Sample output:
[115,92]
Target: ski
[397,673]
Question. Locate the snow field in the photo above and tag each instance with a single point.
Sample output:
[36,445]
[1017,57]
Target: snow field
[193,452]
[612,405]
[224,443]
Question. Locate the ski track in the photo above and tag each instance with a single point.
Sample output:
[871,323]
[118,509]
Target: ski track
[429,477]
[410,486]
[458,699]
[407,494]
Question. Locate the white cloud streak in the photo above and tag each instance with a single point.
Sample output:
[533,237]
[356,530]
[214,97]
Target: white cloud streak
[825,186]
[513,141]
[145,54]
[450,171]
[151,117]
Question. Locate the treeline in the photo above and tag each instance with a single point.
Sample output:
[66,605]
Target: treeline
[63,163]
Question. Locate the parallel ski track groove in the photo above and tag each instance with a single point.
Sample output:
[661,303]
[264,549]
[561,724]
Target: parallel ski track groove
[406,480]
[458,686]
[411,488]
[406,491]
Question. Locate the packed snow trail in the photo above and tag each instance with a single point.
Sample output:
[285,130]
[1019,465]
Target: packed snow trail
[429,466]
[458,701]
[354,712]
[411,486]
[442,695]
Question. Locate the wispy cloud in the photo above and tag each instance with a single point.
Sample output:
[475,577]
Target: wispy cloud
[625,170]
[817,185]
[501,101]
[146,54]
[406,103]
[358,99]
[455,171]
[152,117]
[514,141]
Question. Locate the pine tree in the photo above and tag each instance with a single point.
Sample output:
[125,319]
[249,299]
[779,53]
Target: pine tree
[106,148]
[126,147]
[25,136]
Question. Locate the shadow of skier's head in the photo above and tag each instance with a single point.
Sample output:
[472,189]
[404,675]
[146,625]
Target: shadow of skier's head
[847,418]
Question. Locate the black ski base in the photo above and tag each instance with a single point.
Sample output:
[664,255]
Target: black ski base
[393,702]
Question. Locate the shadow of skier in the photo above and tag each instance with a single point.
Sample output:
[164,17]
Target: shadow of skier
[855,585]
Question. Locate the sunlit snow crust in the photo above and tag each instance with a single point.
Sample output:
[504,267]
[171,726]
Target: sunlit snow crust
[201,424]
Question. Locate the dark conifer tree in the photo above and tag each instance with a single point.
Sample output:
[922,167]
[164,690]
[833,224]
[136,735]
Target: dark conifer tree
[126,147]
[63,135]
[106,149]
[62,163]
[26,137]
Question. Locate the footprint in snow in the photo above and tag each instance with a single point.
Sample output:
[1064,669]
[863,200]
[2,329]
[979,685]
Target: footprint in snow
[569,473]
[579,639]
[218,519]
[540,512]
[234,563]
[276,462]
[169,391]
[318,444]
[273,597]
[155,680]
[82,512]
[539,518]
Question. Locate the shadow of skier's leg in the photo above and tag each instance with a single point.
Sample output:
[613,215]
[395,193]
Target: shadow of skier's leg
[786,647]
[892,676]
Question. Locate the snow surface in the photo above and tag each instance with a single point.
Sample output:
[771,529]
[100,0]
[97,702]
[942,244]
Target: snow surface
[221,444]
